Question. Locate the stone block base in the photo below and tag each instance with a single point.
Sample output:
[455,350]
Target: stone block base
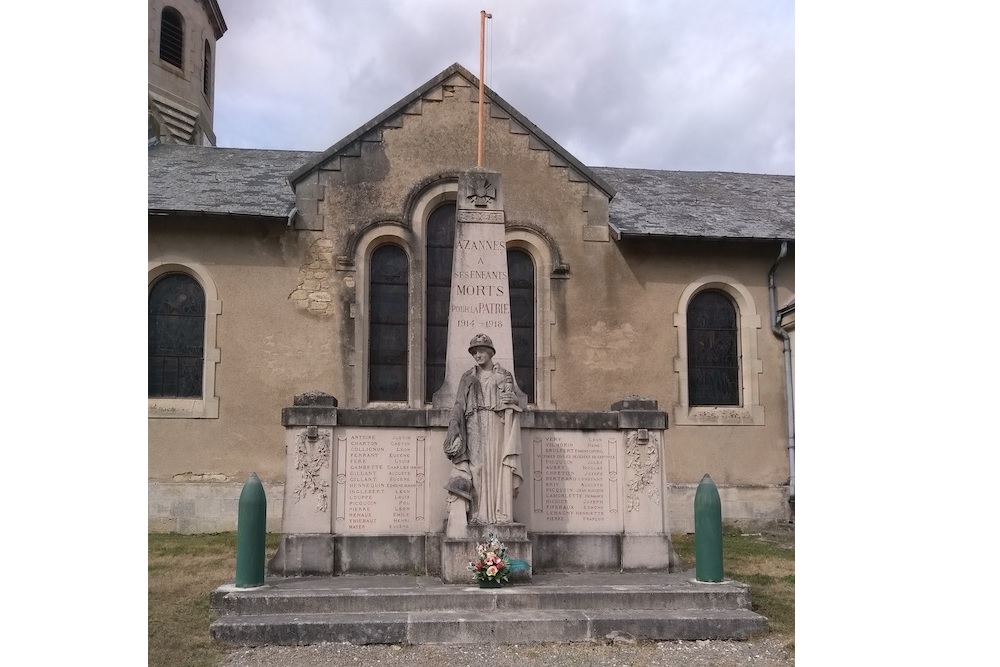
[388,554]
[302,555]
[603,552]
[456,553]
[654,552]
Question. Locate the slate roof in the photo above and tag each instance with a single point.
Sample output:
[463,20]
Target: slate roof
[648,203]
[222,181]
[700,204]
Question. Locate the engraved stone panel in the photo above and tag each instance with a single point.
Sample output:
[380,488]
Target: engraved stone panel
[575,482]
[308,473]
[494,217]
[381,482]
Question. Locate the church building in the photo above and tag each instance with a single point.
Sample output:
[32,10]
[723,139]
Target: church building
[275,274]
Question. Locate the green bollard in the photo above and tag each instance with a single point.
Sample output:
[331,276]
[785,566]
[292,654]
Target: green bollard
[707,531]
[250,532]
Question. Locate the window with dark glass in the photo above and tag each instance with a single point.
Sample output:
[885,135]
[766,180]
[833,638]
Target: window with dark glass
[207,76]
[171,37]
[521,276]
[388,328]
[713,356]
[176,337]
[440,251]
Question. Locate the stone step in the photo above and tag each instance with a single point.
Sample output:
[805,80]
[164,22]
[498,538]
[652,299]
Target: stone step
[422,610]
[384,594]
[487,627]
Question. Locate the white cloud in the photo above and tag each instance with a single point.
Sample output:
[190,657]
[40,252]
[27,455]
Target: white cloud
[694,84]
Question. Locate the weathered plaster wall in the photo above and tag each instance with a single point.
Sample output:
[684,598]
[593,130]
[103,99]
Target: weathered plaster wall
[290,298]
[269,349]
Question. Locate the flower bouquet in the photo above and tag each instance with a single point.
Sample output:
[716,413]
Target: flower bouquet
[492,565]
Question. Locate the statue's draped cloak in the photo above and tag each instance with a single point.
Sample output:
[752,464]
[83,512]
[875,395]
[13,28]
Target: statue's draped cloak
[484,445]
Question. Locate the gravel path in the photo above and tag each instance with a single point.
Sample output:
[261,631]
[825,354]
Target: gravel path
[769,651]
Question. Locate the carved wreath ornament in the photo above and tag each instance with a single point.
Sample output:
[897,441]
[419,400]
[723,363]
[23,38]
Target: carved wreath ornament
[311,456]
[643,460]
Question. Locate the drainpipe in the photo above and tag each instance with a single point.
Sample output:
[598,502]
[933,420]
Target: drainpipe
[789,393]
[291,215]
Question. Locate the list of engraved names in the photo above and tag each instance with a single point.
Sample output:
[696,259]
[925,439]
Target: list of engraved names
[383,482]
[576,482]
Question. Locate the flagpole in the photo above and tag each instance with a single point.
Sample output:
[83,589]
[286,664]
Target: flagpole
[482,59]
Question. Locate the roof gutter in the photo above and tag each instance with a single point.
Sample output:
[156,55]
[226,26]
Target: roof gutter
[615,232]
[780,333]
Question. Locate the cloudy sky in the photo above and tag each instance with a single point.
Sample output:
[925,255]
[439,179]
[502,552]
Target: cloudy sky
[666,84]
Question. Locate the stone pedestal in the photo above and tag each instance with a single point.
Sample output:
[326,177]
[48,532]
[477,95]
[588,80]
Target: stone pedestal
[456,553]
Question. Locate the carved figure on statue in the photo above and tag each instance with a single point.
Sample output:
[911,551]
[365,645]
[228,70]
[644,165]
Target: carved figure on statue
[484,438]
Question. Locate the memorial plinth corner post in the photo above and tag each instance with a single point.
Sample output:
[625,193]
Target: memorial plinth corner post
[250,534]
[707,531]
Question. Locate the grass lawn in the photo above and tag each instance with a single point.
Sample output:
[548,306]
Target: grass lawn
[184,569]
[767,563]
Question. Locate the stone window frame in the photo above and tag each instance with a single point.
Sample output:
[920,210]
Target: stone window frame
[541,254]
[386,233]
[749,412]
[206,407]
[412,238]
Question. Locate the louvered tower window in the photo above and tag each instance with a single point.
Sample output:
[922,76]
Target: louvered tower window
[172,37]
[207,78]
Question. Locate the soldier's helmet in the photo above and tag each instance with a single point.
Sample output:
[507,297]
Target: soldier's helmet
[481,340]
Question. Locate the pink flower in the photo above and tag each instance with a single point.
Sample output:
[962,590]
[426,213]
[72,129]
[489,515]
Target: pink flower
[491,570]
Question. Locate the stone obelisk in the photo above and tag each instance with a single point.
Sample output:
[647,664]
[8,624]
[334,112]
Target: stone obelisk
[480,292]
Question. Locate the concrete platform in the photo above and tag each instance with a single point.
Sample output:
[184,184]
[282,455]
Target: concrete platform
[387,609]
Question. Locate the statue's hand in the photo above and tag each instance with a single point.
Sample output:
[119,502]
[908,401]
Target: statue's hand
[451,449]
[508,398]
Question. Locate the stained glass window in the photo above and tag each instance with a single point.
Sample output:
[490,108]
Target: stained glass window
[176,337]
[713,355]
[440,251]
[521,275]
[388,328]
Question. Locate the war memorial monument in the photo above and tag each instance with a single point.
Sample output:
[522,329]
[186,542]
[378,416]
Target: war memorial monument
[384,507]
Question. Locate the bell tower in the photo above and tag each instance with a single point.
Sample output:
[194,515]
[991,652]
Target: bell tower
[182,39]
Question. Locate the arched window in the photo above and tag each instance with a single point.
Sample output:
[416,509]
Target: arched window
[388,325]
[176,337]
[440,251]
[712,350]
[207,77]
[521,277]
[172,37]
